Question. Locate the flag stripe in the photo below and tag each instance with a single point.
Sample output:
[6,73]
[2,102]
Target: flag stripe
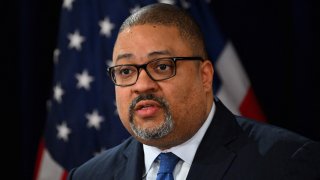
[49,169]
[236,91]
[251,108]
[64,175]
[39,160]
[234,82]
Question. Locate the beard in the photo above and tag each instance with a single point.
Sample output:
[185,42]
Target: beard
[155,132]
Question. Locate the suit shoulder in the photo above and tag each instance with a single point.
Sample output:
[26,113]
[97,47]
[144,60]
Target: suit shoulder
[297,155]
[263,131]
[270,138]
[98,165]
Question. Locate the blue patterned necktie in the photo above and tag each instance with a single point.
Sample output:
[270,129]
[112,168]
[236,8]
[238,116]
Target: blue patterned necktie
[168,162]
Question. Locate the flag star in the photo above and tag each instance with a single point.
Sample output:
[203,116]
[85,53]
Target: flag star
[109,63]
[135,9]
[63,131]
[67,4]
[94,119]
[167,1]
[57,93]
[75,40]
[106,27]
[56,54]
[84,80]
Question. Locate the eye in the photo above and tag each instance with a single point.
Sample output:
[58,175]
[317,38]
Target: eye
[125,71]
[163,67]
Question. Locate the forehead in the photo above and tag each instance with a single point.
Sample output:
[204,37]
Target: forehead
[149,29]
[141,41]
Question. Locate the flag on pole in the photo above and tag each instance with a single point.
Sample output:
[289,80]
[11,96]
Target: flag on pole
[82,117]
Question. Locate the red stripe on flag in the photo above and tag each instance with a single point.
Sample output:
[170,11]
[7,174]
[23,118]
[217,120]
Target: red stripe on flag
[250,107]
[64,175]
[39,159]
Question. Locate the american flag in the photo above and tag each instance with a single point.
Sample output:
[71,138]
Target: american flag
[82,117]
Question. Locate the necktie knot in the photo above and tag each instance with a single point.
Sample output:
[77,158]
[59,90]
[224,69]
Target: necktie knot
[168,162]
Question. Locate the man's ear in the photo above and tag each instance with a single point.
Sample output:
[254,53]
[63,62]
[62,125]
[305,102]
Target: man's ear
[207,75]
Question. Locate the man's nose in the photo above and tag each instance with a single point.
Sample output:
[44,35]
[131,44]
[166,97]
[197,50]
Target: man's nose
[145,83]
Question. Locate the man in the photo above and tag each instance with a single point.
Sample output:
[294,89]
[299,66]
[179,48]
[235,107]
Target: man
[165,100]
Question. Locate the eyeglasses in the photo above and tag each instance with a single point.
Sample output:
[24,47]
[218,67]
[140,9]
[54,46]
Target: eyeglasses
[158,70]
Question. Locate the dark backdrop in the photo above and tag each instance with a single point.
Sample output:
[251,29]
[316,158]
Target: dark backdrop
[276,42]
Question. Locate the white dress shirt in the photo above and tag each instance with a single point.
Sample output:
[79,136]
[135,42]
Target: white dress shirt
[185,151]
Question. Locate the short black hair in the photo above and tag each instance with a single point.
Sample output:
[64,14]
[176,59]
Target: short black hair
[170,15]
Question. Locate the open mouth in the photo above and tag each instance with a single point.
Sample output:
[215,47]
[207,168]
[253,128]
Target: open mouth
[147,108]
[146,104]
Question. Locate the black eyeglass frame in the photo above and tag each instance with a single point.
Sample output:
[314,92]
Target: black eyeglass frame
[144,66]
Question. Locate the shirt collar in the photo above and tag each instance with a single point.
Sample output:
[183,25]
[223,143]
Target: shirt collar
[185,151]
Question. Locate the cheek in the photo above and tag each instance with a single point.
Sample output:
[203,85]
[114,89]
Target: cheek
[122,103]
[186,99]
[185,90]
[179,99]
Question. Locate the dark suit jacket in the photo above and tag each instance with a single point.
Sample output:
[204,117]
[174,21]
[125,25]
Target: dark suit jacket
[232,148]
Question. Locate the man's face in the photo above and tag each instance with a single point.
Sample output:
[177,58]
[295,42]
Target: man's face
[161,113]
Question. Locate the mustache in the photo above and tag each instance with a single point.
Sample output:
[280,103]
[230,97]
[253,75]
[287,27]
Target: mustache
[163,103]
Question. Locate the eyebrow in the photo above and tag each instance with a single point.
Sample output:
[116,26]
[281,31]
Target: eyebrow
[124,56]
[157,53]
[150,55]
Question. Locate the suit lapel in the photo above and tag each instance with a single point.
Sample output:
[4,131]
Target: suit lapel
[131,165]
[215,155]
